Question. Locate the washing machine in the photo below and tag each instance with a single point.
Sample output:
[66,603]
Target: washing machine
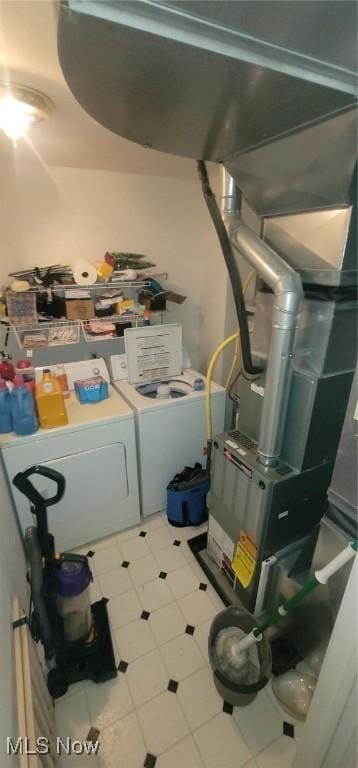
[168,401]
[96,453]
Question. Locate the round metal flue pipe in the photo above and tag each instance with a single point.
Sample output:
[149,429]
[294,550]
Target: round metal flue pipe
[230,197]
[287,287]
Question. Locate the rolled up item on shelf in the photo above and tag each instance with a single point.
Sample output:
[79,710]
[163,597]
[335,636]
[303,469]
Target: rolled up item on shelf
[84,273]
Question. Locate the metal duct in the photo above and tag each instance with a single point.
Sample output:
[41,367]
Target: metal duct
[287,287]
[230,200]
[214,80]
[321,245]
[311,168]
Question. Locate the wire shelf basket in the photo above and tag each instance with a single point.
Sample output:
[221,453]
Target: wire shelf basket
[113,327]
[55,333]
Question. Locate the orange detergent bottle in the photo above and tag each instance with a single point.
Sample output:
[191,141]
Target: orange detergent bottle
[50,402]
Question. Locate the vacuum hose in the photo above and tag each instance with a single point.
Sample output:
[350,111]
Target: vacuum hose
[232,268]
[35,561]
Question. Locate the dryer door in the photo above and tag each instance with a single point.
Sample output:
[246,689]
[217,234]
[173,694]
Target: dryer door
[96,483]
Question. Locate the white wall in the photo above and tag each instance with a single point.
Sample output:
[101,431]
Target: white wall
[53,215]
[12,582]
[329,739]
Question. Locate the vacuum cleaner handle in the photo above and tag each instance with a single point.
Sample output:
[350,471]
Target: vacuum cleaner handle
[24,485]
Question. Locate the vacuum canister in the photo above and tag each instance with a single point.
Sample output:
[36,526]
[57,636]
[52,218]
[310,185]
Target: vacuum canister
[73,599]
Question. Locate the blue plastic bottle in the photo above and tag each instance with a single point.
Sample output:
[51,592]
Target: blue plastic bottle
[6,424]
[23,408]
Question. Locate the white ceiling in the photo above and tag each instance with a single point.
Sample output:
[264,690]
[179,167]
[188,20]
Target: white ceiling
[70,137]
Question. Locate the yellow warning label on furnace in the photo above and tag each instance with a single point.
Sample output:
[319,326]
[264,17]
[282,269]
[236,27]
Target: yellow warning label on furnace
[244,562]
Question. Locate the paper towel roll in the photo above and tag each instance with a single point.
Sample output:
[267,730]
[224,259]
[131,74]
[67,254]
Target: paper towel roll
[84,273]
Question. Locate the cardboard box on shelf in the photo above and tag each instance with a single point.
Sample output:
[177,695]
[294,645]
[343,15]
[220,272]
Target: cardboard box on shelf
[79,309]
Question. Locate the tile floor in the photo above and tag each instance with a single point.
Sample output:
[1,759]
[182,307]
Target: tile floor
[163,711]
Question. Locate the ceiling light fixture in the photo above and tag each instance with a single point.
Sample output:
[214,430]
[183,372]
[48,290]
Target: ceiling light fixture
[20,107]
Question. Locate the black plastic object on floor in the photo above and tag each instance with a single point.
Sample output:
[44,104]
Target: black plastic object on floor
[93,660]
[186,497]
[198,546]
[284,655]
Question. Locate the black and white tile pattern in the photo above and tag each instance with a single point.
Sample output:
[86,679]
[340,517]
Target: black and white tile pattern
[163,710]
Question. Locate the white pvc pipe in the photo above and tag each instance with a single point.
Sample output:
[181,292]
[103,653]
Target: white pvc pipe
[323,574]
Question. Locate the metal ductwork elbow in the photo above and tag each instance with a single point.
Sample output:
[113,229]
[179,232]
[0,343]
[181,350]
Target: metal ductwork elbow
[287,288]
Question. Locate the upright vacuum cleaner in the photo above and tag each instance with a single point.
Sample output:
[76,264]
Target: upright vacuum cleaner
[75,634]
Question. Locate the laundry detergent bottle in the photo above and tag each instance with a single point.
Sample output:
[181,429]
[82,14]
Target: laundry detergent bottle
[6,424]
[7,370]
[23,408]
[50,402]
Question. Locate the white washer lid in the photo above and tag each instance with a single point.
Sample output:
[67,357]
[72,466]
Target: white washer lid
[154,352]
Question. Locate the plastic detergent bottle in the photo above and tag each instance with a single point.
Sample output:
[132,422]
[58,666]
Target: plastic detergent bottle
[50,402]
[6,424]
[23,408]
[61,376]
[24,367]
[7,370]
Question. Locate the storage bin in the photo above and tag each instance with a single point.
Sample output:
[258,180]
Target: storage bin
[91,390]
[187,506]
